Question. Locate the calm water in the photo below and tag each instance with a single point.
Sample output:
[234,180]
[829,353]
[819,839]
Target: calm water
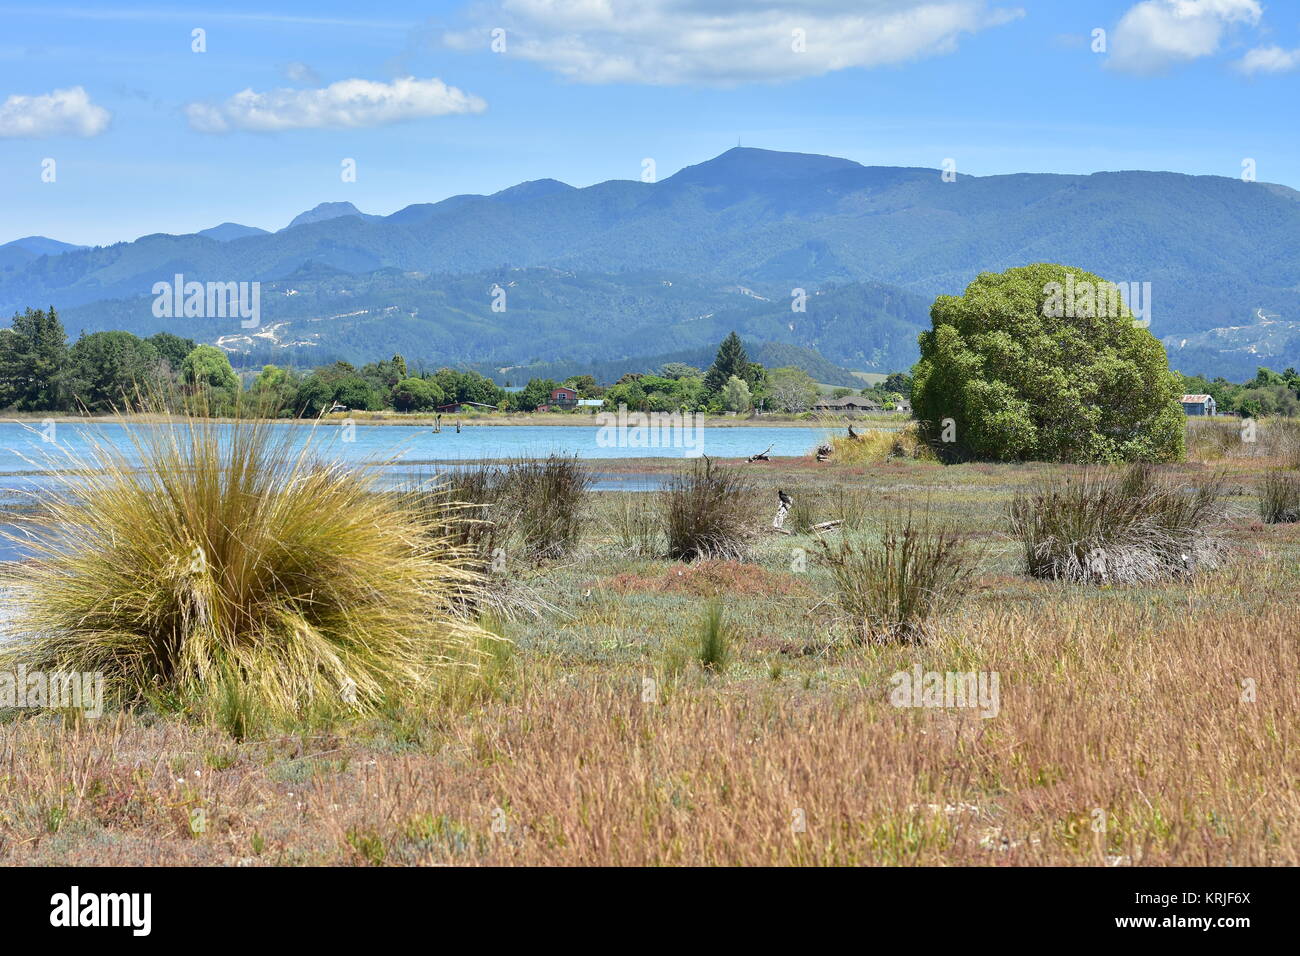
[407,451]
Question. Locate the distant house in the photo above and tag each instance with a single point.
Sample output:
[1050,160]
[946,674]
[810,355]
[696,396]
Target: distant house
[563,397]
[903,407]
[849,405]
[1199,405]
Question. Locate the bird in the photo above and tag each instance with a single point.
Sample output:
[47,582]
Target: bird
[785,499]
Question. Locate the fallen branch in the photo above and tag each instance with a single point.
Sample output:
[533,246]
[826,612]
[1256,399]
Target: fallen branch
[761,456]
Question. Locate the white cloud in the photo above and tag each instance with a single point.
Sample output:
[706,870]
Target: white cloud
[347,104]
[712,42]
[61,113]
[1269,59]
[1156,34]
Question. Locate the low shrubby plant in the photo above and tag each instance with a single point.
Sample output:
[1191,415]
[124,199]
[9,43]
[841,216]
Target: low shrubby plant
[875,445]
[893,588]
[225,570]
[1279,497]
[708,511]
[1107,527]
[715,639]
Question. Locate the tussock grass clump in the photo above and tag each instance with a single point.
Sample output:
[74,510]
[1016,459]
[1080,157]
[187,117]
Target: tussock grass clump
[224,569]
[875,445]
[550,499]
[892,589]
[1279,497]
[714,648]
[708,511]
[1106,528]
[635,526]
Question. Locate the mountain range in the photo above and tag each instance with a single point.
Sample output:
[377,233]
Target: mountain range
[817,253]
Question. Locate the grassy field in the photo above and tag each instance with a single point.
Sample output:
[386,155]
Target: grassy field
[659,712]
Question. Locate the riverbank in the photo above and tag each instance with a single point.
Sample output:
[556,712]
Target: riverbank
[497,419]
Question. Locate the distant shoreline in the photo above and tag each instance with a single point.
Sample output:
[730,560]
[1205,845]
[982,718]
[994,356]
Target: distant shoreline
[469,421]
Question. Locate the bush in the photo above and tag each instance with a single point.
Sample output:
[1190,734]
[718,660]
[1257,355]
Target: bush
[707,512]
[1024,374]
[874,446]
[1279,497]
[892,590]
[550,503]
[714,649]
[1102,527]
[225,569]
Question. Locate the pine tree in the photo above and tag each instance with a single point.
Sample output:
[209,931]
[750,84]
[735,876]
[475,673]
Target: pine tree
[731,360]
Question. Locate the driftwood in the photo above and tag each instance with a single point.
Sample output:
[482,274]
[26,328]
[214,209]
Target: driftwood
[853,435]
[761,456]
[824,452]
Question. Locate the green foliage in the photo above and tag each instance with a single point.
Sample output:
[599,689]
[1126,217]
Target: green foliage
[417,395]
[1021,384]
[208,367]
[263,582]
[171,348]
[536,392]
[791,389]
[33,352]
[713,650]
[736,396]
[730,361]
[108,370]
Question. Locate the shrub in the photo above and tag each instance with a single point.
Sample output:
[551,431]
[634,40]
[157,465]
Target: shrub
[1102,527]
[890,591]
[550,503]
[226,569]
[1025,374]
[875,445]
[714,650]
[707,512]
[1279,497]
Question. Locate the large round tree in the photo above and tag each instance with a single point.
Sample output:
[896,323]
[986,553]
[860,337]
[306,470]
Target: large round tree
[1045,362]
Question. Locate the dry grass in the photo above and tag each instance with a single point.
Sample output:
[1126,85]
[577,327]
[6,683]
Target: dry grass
[1100,711]
[875,445]
[1167,711]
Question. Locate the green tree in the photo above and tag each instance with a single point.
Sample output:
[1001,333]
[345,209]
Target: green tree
[33,358]
[900,383]
[730,361]
[791,389]
[208,366]
[536,392]
[171,348]
[1034,364]
[417,395]
[108,370]
[735,395]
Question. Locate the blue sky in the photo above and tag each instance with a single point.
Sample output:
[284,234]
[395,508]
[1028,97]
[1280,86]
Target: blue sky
[149,136]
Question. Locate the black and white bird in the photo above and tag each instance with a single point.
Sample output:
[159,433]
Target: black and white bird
[785,499]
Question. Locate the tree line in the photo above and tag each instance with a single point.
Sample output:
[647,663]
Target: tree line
[103,371]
